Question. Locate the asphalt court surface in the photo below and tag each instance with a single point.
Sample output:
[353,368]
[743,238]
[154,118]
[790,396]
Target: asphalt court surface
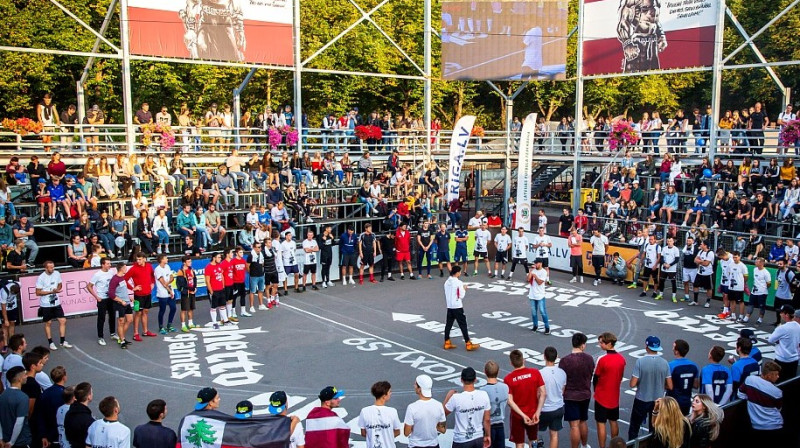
[352,336]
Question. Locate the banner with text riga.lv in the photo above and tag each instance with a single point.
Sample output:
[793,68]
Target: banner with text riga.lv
[629,36]
[253,31]
[458,149]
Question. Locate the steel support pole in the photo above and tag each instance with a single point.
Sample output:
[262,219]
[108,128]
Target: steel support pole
[81,110]
[428,73]
[298,71]
[716,82]
[579,120]
[509,145]
[127,101]
[237,105]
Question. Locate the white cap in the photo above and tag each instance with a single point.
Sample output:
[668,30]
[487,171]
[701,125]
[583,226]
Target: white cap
[425,384]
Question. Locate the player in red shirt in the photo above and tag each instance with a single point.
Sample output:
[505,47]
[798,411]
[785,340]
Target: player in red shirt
[607,381]
[227,269]
[215,282]
[143,279]
[239,271]
[402,244]
[526,394]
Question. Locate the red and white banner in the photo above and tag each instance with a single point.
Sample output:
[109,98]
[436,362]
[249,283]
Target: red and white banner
[628,36]
[219,30]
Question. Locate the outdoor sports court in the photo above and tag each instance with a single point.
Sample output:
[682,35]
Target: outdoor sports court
[352,336]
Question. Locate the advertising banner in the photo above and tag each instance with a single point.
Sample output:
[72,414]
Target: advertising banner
[458,149]
[508,40]
[628,36]
[250,31]
[524,172]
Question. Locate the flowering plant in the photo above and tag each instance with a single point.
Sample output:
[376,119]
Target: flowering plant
[622,135]
[365,132]
[790,134]
[22,126]
[167,136]
[275,138]
[477,131]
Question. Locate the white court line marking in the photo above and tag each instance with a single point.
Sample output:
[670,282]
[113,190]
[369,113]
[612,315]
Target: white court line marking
[647,303]
[351,328]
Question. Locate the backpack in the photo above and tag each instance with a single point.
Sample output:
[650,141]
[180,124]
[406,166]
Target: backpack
[794,282]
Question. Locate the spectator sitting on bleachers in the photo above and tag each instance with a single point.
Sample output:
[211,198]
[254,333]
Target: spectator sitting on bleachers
[263,232]
[138,202]
[23,229]
[76,252]
[347,167]
[699,207]
[186,223]
[203,237]
[144,231]
[755,245]
[56,168]
[15,260]
[273,195]
[365,166]
[730,207]
[226,187]
[300,171]
[82,227]
[792,252]
[252,217]
[777,251]
[234,164]
[214,225]
[791,198]
[86,191]
[209,188]
[161,229]
[778,196]
[36,171]
[102,227]
[190,247]
[743,213]
[760,209]
[246,237]
[6,235]
[293,202]
[58,198]
[280,217]
[670,203]
[119,229]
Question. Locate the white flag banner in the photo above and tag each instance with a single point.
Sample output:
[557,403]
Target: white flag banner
[458,149]
[524,172]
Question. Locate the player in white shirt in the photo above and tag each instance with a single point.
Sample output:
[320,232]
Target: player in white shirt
[536,279]
[476,221]
[555,380]
[758,295]
[705,270]
[48,287]
[482,238]
[379,423]
[311,255]
[652,258]
[737,275]
[277,248]
[669,269]
[542,219]
[108,432]
[472,412]
[502,243]
[165,293]
[454,292]
[725,261]
[288,248]
[599,244]
[61,414]
[519,251]
[541,247]
[425,418]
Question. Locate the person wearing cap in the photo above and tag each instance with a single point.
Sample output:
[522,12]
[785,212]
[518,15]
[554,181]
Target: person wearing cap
[786,339]
[425,418]
[324,428]
[699,207]
[379,423]
[651,377]
[154,434]
[244,410]
[715,378]
[454,291]
[207,399]
[472,413]
[278,406]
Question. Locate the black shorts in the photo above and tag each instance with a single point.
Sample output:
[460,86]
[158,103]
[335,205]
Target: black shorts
[188,302]
[545,262]
[218,299]
[48,313]
[603,414]
[480,255]
[648,272]
[576,410]
[309,268]
[704,281]
[598,261]
[349,260]
[293,269]
[443,257]
[271,279]
[238,290]
[501,256]
[552,420]
[13,315]
[368,260]
[736,296]
[145,302]
[121,310]
[228,293]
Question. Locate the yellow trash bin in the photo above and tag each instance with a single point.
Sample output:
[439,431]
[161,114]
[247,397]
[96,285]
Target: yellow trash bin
[587,194]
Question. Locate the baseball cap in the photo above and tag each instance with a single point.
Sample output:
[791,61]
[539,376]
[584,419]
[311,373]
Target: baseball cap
[205,395]
[468,375]
[244,409]
[330,393]
[788,309]
[277,402]
[653,343]
[748,333]
[425,384]
[796,314]
[703,189]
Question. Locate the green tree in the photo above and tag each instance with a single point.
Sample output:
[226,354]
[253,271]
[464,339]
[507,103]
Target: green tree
[201,433]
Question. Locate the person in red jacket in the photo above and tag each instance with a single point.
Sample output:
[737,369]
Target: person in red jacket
[402,245]
[239,271]
[227,269]
[324,428]
[143,279]
[215,282]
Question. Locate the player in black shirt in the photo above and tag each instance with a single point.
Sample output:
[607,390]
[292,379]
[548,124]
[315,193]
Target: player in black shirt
[565,223]
[425,242]
[387,249]
[325,241]
[367,250]
[443,248]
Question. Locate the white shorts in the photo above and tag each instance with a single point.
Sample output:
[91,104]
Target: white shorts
[689,275]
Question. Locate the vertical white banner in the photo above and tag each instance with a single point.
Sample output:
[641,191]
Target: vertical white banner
[524,171]
[458,149]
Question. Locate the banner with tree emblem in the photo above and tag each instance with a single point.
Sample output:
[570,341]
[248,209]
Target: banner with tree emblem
[524,172]
[213,429]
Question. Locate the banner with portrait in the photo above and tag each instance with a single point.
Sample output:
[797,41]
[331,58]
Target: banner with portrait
[629,36]
[252,31]
[505,40]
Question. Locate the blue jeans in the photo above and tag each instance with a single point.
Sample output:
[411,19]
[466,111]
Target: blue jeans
[11,209]
[367,203]
[538,306]
[455,218]
[163,303]
[163,237]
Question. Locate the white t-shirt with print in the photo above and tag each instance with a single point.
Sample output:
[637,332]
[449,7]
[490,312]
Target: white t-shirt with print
[47,282]
[761,281]
[11,301]
[287,251]
[503,242]
[736,276]
[61,414]
[423,416]
[708,256]
[105,434]
[165,273]
[542,251]
[310,257]
[670,256]
[468,408]
[380,423]
[482,238]
[520,247]
[651,253]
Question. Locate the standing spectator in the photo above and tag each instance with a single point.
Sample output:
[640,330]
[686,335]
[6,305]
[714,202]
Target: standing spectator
[555,380]
[33,364]
[165,294]
[745,365]
[403,254]
[526,397]
[142,277]
[379,423]
[685,376]
[79,417]
[51,400]
[9,308]
[108,431]
[118,294]
[536,279]
[324,428]
[16,346]
[783,292]
[565,222]
[425,417]
[579,367]
[607,381]
[48,287]
[368,251]
[454,292]
[154,434]
[764,403]
[98,288]
[387,249]
[14,411]
[756,124]
[575,243]
[599,244]
[705,419]
[786,339]
[651,377]
[472,409]
[23,230]
[498,397]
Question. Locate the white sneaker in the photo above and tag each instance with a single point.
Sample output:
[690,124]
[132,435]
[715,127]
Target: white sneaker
[706,305]
[309,220]
[101,341]
[574,279]
[53,346]
[581,279]
[66,345]
[262,307]
[352,282]
[166,249]
[115,337]
[759,321]
[233,314]
[246,314]
[252,309]
[159,249]
[324,285]
[595,282]
[331,284]
[746,319]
